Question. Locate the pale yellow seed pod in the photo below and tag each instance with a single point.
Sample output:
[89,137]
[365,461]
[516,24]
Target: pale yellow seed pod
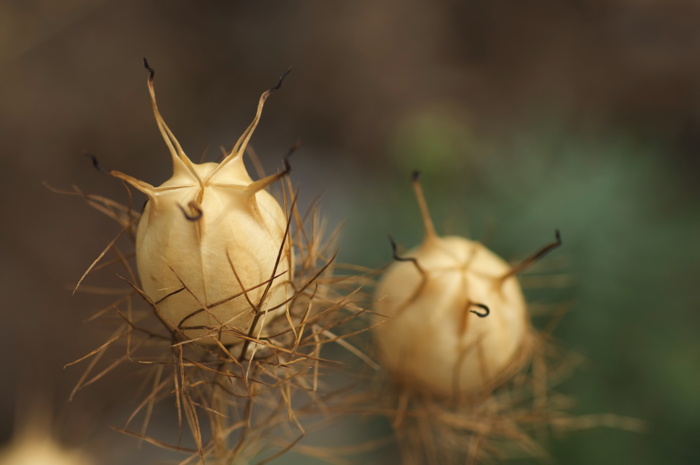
[33,441]
[40,450]
[455,319]
[212,249]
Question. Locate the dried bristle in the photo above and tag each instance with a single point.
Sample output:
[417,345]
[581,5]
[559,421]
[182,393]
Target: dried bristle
[244,401]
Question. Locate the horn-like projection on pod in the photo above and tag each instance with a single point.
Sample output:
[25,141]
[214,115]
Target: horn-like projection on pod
[212,248]
[453,319]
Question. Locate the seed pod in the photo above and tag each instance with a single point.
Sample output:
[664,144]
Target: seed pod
[33,441]
[211,247]
[34,449]
[456,321]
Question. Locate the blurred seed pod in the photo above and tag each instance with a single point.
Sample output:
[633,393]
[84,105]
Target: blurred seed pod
[34,441]
[39,448]
[456,319]
[469,372]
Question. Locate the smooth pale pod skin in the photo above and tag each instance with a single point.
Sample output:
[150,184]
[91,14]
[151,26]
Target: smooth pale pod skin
[233,246]
[211,247]
[428,335]
[430,339]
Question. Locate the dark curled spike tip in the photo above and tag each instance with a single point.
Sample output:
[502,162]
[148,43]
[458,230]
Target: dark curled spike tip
[557,236]
[198,212]
[96,163]
[148,67]
[394,251]
[415,176]
[283,76]
[486,310]
[287,167]
[413,260]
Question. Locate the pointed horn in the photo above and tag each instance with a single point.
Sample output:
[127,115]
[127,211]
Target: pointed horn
[144,187]
[242,142]
[180,160]
[532,259]
[423,205]
[261,184]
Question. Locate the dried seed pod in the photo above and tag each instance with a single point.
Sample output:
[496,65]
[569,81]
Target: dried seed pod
[211,247]
[35,449]
[456,321]
[33,441]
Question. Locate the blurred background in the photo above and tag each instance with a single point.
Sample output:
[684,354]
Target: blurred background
[582,115]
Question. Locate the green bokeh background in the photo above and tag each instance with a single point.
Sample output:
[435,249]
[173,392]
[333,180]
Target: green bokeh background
[628,234]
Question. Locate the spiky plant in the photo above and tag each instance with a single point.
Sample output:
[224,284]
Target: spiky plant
[467,377]
[229,303]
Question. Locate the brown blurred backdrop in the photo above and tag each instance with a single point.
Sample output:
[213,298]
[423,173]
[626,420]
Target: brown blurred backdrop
[368,76]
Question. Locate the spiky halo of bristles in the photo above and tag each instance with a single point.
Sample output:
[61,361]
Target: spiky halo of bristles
[507,420]
[512,414]
[500,423]
[249,403]
[228,395]
[514,420]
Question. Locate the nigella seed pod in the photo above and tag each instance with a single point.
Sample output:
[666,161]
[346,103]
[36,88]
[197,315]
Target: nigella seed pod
[212,250]
[456,322]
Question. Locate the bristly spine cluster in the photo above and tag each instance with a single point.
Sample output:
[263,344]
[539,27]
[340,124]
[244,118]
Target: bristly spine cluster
[240,297]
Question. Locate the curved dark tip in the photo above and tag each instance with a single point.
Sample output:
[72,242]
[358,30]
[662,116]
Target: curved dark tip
[148,67]
[395,252]
[486,311]
[287,166]
[557,236]
[415,176]
[283,76]
[198,213]
[394,248]
[398,258]
[96,163]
